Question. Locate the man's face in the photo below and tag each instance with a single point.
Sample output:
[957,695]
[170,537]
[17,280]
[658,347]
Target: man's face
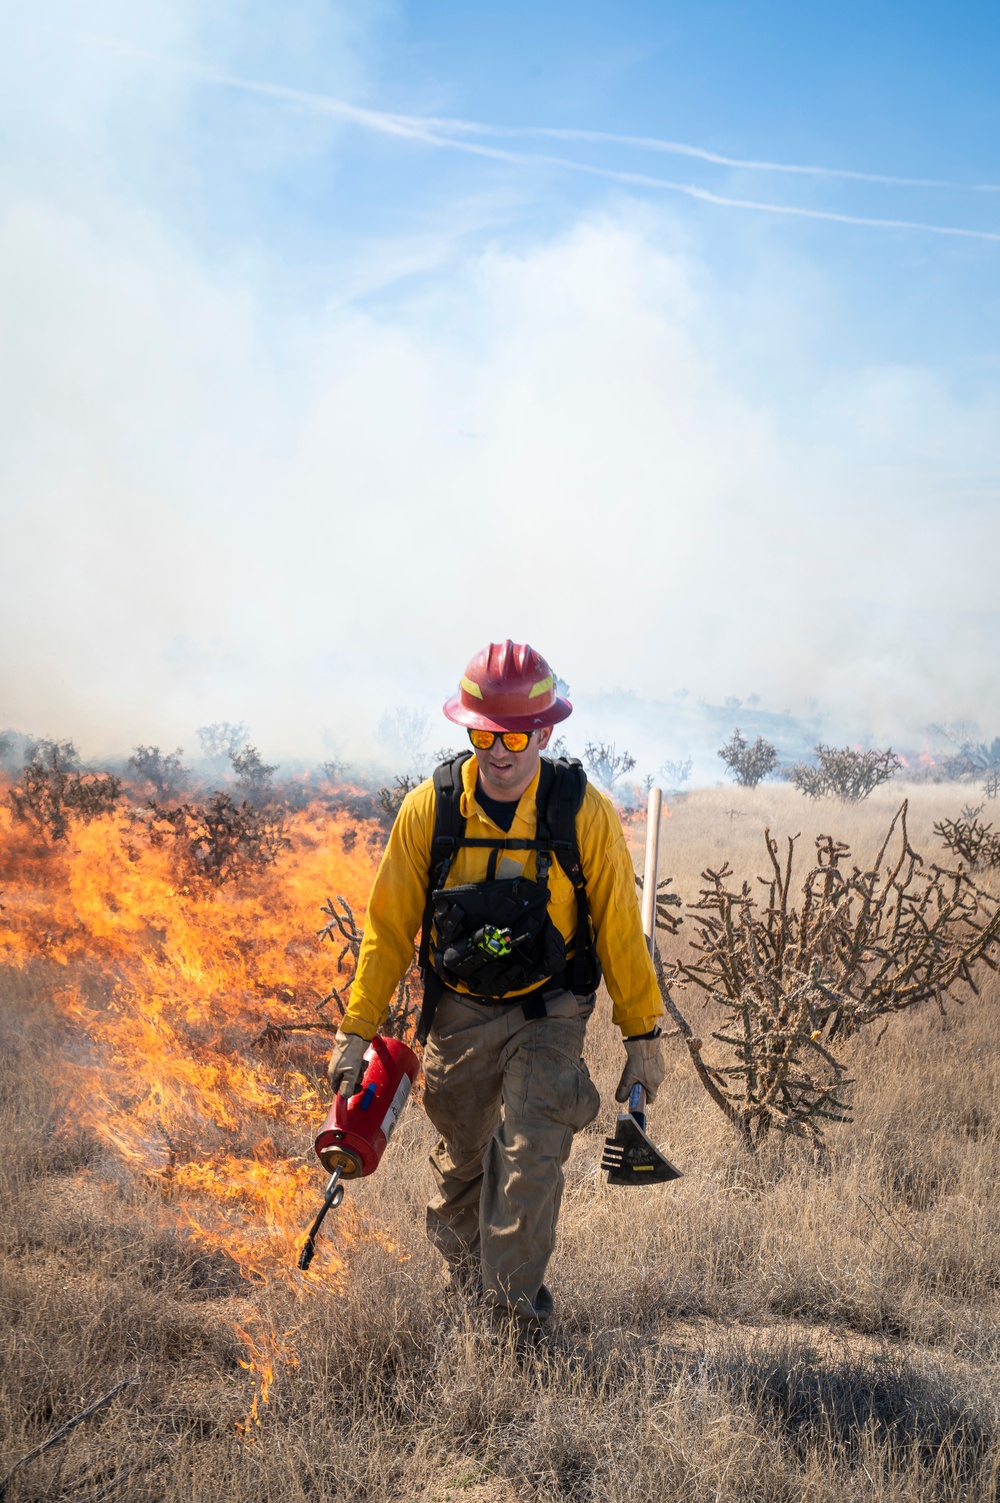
[505,775]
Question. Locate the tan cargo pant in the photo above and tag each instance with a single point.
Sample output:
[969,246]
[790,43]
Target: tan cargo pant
[506,1094]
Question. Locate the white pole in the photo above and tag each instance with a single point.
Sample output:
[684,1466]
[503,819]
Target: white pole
[652,867]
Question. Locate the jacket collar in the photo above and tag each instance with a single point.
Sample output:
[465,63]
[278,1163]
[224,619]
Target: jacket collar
[526,808]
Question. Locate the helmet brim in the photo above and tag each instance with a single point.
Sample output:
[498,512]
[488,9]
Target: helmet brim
[461,714]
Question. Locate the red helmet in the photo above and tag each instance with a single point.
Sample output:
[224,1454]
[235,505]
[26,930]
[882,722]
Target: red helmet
[507,687]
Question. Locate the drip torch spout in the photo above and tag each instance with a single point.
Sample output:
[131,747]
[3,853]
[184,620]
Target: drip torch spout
[332,1197]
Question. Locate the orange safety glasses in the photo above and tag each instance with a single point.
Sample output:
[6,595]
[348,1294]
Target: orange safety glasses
[514,741]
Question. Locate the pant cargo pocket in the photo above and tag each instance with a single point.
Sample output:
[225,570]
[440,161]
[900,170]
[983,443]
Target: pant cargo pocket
[560,1090]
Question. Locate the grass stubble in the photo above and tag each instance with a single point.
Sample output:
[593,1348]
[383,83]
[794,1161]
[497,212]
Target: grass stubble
[758,1331]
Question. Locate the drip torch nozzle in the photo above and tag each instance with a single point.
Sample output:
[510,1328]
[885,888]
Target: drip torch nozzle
[332,1197]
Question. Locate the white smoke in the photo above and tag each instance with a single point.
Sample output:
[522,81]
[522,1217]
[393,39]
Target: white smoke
[231,498]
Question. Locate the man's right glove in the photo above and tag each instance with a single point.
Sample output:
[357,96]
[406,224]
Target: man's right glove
[643,1066]
[347,1063]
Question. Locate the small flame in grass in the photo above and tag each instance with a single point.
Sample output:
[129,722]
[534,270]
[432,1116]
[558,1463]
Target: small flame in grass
[264,1351]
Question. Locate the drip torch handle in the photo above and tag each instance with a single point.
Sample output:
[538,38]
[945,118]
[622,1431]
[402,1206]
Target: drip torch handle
[333,1195]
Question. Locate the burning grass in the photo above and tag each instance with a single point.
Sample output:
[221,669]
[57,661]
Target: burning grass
[757,1331]
[167,984]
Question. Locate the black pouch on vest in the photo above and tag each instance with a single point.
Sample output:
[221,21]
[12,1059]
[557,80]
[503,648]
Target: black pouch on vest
[496,937]
[464,938]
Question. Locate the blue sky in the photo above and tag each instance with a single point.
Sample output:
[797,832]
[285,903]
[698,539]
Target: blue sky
[338,339]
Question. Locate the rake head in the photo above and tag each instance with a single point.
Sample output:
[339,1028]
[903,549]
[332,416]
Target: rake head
[630,1158]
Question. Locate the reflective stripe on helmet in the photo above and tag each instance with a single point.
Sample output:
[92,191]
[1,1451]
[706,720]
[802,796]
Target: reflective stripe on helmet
[508,686]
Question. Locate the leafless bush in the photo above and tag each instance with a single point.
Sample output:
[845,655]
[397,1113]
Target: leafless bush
[220,739]
[401,1019]
[991,787]
[606,764]
[666,901]
[791,981]
[162,769]
[842,772]
[390,799]
[968,838]
[675,774]
[341,928]
[253,777]
[748,764]
[971,758]
[53,790]
[401,733]
[220,841]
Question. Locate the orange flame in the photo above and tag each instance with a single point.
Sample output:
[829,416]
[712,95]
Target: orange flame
[172,988]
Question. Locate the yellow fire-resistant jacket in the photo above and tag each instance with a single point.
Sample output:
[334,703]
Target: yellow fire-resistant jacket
[396,905]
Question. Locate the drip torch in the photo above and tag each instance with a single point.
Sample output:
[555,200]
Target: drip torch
[353,1138]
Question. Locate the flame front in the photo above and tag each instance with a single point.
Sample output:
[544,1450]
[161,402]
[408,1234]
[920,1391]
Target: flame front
[181,992]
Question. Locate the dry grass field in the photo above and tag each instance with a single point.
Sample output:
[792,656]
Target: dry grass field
[759,1331]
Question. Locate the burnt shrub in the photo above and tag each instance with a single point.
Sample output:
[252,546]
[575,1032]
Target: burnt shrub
[219,841]
[54,790]
[254,777]
[162,770]
[390,799]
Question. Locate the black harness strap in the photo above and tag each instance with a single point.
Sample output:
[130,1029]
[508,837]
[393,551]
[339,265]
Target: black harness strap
[449,827]
[566,797]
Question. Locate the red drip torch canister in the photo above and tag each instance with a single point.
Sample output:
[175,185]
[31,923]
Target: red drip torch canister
[357,1128]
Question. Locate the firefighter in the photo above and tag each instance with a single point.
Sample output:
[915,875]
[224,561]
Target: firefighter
[515,938]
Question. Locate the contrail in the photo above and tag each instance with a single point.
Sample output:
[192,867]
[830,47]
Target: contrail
[448,134]
[417,128]
[683,149]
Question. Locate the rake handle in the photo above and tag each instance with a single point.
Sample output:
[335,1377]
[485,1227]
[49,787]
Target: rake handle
[637,1095]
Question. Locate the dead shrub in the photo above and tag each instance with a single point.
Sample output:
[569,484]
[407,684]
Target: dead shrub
[749,764]
[254,777]
[971,758]
[791,980]
[404,1009]
[53,790]
[220,841]
[606,764]
[969,839]
[163,770]
[390,800]
[842,772]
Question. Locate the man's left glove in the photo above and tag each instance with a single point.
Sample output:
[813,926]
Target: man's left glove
[643,1066]
[347,1063]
